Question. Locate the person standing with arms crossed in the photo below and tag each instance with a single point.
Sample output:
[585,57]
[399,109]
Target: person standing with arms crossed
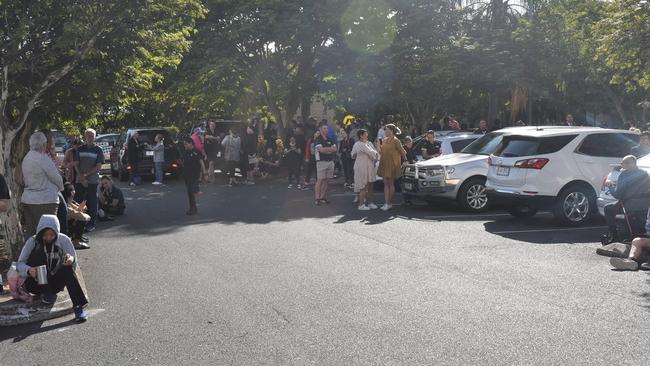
[88,162]
[390,163]
[325,152]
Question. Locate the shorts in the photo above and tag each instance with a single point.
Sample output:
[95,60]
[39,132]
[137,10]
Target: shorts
[324,169]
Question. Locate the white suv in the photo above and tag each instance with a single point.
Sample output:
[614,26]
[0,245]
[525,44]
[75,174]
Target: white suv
[459,176]
[560,168]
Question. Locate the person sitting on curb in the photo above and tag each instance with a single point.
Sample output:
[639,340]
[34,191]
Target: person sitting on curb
[53,249]
[111,200]
[77,217]
[633,261]
[632,183]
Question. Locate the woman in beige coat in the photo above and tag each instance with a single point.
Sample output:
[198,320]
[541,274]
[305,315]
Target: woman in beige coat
[390,164]
[365,157]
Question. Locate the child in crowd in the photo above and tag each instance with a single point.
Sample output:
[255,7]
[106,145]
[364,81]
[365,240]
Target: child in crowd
[192,172]
[292,157]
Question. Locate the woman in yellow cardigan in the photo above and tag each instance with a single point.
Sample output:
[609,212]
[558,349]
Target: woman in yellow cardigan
[390,163]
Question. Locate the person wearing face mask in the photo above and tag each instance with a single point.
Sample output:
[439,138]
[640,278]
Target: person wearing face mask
[53,249]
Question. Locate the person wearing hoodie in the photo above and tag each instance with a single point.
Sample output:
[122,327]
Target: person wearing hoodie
[53,249]
[43,182]
[632,189]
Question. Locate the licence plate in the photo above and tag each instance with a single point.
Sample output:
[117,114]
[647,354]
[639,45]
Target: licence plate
[503,171]
[408,186]
[149,153]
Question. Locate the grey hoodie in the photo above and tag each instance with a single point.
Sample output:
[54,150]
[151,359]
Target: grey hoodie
[62,241]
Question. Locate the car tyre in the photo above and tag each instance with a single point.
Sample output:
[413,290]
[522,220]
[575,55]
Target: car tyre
[574,205]
[522,211]
[472,196]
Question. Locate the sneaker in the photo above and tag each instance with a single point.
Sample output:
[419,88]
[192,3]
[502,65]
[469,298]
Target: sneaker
[48,298]
[132,184]
[156,183]
[80,314]
[81,245]
[299,186]
[372,206]
[89,229]
[645,266]
[250,183]
[290,186]
[385,207]
[356,199]
[624,264]
[364,208]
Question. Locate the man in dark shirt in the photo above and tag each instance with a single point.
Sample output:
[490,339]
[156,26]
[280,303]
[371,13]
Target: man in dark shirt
[191,173]
[134,150]
[643,148]
[111,200]
[88,161]
[4,195]
[431,147]
[325,150]
[482,128]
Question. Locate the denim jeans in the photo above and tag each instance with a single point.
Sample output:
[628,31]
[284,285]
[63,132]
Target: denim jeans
[158,167]
[88,194]
[134,172]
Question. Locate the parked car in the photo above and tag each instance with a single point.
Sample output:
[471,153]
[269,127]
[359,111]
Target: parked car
[119,162]
[459,176]
[605,197]
[557,168]
[107,142]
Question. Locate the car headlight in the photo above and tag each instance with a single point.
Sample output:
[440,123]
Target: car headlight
[450,170]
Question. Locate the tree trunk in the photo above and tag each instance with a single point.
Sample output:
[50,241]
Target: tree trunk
[13,237]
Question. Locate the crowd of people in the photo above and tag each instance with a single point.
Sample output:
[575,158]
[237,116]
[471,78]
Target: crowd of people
[61,202]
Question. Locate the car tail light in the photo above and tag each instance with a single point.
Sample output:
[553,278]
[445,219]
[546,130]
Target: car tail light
[531,163]
[129,167]
[174,166]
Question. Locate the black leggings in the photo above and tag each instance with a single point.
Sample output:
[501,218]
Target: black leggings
[65,277]
[76,229]
[192,186]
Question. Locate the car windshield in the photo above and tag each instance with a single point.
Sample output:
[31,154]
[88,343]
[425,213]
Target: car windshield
[486,145]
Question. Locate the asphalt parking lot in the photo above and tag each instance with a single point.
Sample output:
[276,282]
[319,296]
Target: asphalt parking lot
[263,276]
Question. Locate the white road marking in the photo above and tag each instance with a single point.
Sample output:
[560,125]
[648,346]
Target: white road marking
[549,230]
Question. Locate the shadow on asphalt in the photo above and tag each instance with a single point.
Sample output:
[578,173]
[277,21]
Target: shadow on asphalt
[155,210]
[19,333]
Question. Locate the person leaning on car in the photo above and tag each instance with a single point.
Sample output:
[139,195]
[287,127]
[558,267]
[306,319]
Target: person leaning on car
[632,183]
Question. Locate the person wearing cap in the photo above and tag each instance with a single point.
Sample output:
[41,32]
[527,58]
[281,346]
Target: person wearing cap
[632,183]
[191,172]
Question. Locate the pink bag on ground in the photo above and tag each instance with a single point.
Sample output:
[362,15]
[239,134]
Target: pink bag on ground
[16,288]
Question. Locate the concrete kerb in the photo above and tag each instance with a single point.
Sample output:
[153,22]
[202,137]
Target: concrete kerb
[13,312]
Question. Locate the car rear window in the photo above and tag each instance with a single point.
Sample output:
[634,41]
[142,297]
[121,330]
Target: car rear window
[149,136]
[516,146]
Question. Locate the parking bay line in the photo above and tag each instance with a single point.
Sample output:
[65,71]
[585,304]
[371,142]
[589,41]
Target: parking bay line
[547,230]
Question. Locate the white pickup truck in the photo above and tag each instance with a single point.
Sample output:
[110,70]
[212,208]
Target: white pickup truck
[458,176]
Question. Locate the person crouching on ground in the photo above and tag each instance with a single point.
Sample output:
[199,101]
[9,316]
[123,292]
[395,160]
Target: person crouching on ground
[111,200]
[365,157]
[191,173]
[53,249]
[270,164]
[77,217]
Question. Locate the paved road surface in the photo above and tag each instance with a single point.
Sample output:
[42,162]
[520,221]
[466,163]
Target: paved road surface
[262,276]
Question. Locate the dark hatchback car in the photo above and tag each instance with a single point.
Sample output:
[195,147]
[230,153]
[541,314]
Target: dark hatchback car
[119,162]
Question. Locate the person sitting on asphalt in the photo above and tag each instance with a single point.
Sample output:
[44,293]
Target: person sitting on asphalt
[431,147]
[632,183]
[77,217]
[639,245]
[270,163]
[111,200]
[53,249]
[643,148]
